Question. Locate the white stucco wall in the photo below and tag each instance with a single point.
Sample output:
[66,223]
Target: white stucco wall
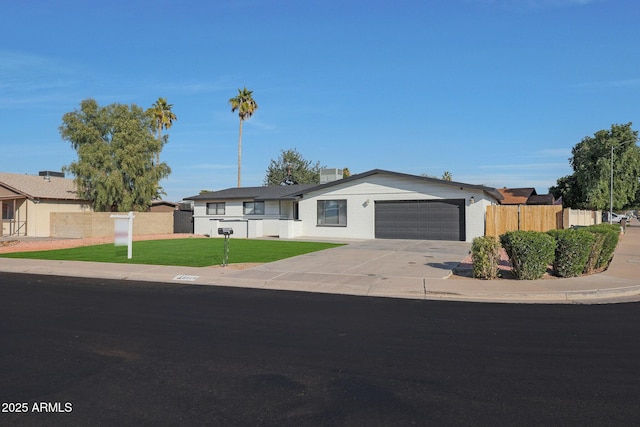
[243,225]
[361,197]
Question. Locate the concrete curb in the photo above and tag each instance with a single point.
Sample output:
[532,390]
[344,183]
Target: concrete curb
[344,271]
[560,297]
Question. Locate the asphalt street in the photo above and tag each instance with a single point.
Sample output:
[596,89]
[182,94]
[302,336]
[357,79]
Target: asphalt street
[79,351]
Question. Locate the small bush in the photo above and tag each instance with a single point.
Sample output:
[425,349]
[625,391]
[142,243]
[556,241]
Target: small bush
[485,253]
[572,251]
[530,253]
[611,233]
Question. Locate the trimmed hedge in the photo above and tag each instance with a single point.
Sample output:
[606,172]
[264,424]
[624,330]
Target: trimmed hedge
[530,253]
[594,254]
[485,253]
[573,248]
[611,235]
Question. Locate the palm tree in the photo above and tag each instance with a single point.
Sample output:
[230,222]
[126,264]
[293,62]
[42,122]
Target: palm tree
[447,176]
[246,106]
[163,117]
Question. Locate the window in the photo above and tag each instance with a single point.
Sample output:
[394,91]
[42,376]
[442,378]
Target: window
[215,208]
[7,210]
[332,212]
[253,208]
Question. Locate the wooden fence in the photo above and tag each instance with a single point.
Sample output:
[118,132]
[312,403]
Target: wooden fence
[500,219]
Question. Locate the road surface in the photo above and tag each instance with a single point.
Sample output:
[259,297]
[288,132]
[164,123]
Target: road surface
[96,352]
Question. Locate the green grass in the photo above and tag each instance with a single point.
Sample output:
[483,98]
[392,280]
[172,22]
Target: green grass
[183,252]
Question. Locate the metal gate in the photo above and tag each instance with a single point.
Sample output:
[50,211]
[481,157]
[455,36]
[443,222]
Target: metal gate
[183,222]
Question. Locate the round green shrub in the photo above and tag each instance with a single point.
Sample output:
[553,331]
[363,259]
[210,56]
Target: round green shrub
[573,248]
[530,253]
[611,233]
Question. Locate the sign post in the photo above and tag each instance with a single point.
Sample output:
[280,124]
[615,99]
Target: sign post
[123,232]
[226,232]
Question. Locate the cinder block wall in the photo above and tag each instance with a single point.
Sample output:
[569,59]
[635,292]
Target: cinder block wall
[100,224]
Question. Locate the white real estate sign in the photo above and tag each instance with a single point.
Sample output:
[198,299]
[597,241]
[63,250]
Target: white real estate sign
[123,232]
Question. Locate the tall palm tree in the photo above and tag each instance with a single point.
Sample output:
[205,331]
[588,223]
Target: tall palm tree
[163,117]
[246,106]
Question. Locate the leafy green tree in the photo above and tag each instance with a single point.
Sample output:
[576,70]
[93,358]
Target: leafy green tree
[591,163]
[116,149]
[447,176]
[163,118]
[567,188]
[346,173]
[246,106]
[292,168]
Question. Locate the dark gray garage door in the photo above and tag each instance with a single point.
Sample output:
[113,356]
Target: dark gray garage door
[420,219]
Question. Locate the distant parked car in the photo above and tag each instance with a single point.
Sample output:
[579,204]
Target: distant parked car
[616,218]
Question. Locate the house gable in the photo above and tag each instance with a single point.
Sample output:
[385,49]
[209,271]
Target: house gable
[492,192]
[7,193]
[365,190]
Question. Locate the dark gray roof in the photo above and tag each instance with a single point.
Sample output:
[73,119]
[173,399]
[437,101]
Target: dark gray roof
[284,192]
[541,199]
[490,190]
[280,192]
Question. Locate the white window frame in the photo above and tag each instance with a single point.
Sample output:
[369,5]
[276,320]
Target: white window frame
[249,208]
[217,208]
[339,219]
[8,210]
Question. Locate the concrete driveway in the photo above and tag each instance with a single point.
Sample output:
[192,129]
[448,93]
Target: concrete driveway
[382,258]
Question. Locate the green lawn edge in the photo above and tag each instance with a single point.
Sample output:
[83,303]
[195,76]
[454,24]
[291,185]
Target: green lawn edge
[187,252]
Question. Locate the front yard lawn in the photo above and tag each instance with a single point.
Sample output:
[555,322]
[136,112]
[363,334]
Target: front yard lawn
[182,252]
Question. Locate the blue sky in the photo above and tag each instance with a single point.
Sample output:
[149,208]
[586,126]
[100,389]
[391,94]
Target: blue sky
[495,91]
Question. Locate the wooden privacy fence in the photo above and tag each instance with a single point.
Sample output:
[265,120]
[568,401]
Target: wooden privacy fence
[501,219]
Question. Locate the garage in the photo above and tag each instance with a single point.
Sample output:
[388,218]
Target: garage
[420,219]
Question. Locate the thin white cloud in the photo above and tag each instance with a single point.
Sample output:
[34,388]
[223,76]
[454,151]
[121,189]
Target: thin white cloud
[551,154]
[554,152]
[625,83]
[212,166]
[39,71]
[194,87]
[511,180]
[536,4]
[33,80]
[528,166]
[259,124]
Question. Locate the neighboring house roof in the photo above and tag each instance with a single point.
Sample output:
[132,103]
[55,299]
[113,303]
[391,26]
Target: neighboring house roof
[294,191]
[255,193]
[516,196]
[525,196]
[39,187]
[541,199]
[164,203]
